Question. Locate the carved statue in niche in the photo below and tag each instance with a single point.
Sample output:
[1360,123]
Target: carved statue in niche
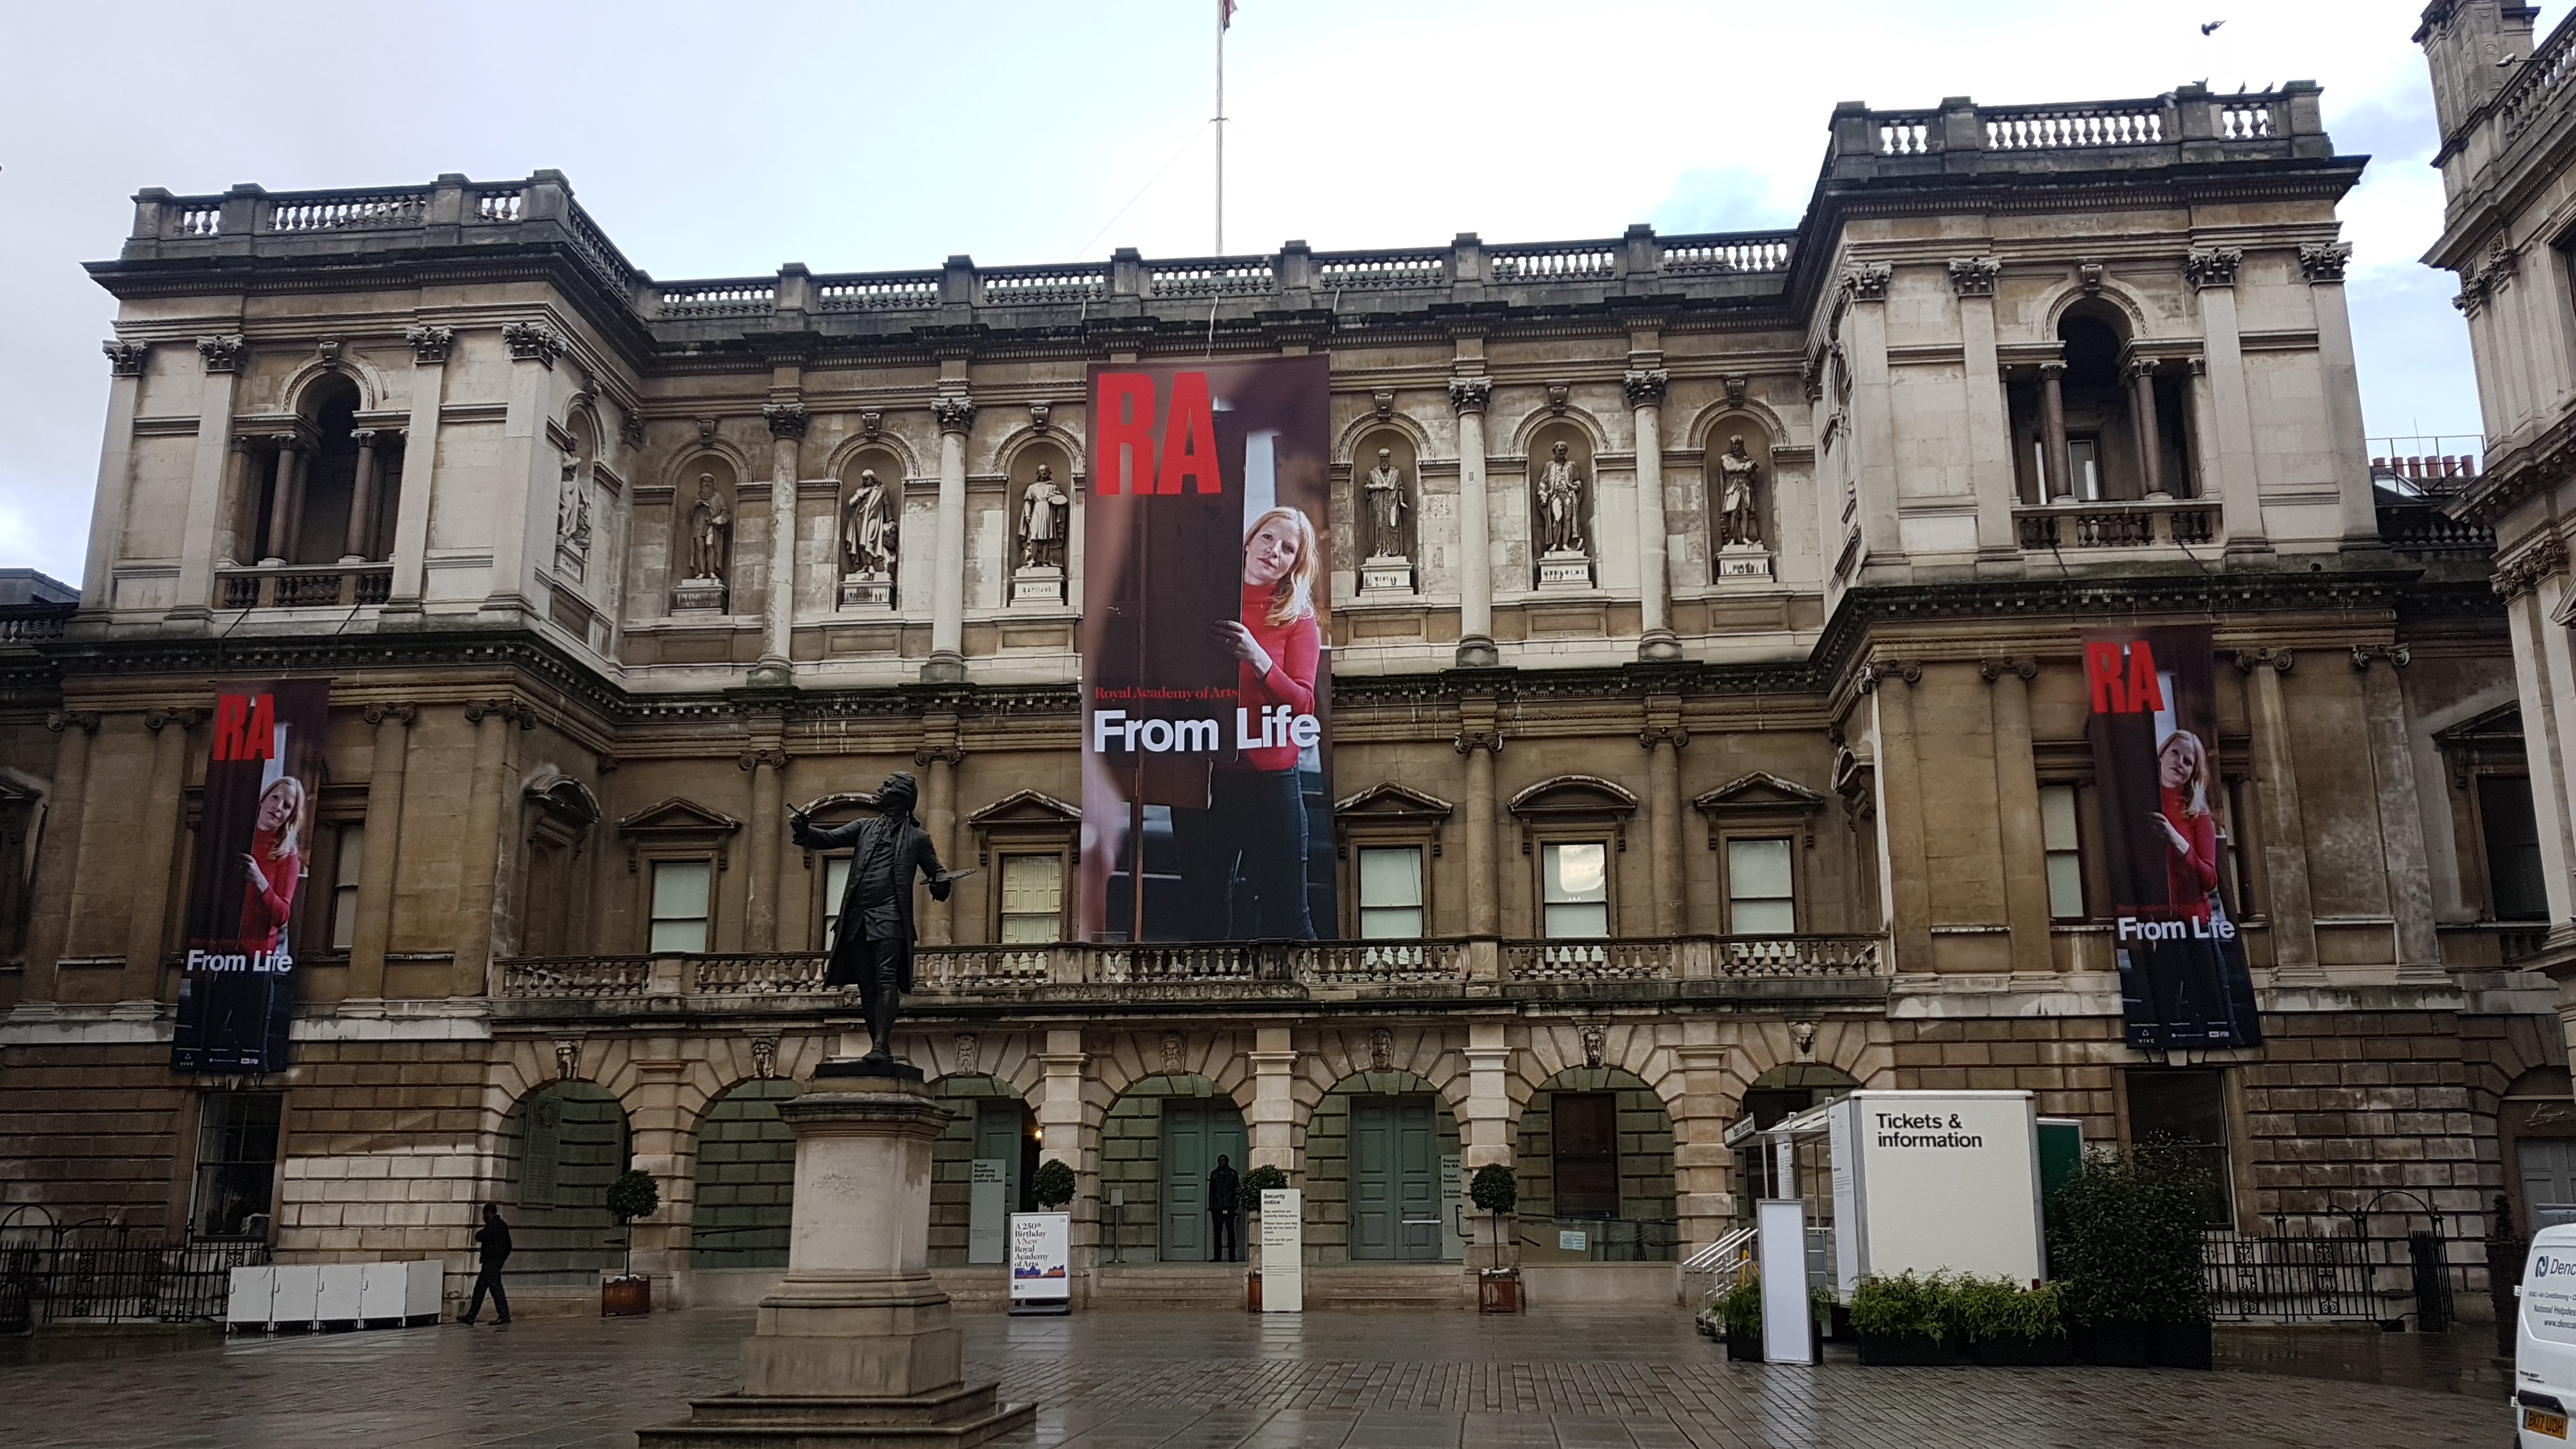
[1739,519]
[1383,490]
[572,514]
[868,530]
[710,525]
[1042,518]
[1560,504]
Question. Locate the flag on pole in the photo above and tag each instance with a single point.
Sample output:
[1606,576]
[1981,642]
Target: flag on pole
[1225,14]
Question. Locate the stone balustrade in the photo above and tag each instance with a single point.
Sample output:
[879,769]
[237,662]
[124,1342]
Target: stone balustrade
[297,586]
[34,623]
[2067,526]
[1213,969]
[2187,125]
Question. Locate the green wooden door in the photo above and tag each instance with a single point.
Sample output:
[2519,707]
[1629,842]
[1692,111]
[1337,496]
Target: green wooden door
[1196,1130]
[1395,1181]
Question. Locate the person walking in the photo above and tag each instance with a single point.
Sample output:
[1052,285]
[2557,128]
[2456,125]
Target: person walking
[1223,1197]
[493,1239]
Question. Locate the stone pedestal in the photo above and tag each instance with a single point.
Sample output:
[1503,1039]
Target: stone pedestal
[699,596]
[1564,569]
[1744,561]
[855,1345]
[1038,584]
[1386,574]
[867,591]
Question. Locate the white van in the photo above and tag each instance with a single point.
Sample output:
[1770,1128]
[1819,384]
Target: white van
[2544,1340]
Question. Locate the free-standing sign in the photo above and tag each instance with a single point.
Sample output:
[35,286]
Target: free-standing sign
[1928,1181]
[1041,1262]
[2183,982]
[1207,580]
[1787,1336]
[1283,1250]
[254,846]
[987,1234]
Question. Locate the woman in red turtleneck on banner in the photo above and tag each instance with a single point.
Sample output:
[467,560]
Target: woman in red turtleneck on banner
[1255,824]
[274,865]
[2191,866]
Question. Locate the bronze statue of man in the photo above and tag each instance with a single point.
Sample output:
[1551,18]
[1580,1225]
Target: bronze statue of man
[872,949]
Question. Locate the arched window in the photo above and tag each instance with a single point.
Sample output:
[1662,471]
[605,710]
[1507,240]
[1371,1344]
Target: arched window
[2106,423]
[1595,1161]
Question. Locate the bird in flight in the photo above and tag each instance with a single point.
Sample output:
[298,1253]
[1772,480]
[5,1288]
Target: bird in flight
[2211,26]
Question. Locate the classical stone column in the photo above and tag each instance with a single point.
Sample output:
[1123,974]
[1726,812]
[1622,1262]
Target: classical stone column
[1645,388]
[381,850]
[1990,460]
[239,495]
[1480,738]
[1664,738]
[787,424]
[1468,397]
[479,886]
[947,664]
[215,457]
[1065,1135]
[2545,671]
[767,763]
[2053,462]
[282,499]
[937,758]
[429,347]
[2401,810]
[1271,1127]
[57,864]
[2229,470]
[1872,409]
[152,855]
[1890,684]
[2144,436]
[2285,840]
[358,539]
[2322,263]
[2025,850]
[529,471]
[1702,1163]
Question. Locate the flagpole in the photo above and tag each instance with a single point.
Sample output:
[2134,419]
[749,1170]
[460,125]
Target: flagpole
[1221,17]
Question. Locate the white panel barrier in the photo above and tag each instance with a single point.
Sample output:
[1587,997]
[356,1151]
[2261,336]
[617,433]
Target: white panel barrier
[368,1295]
[254,1295]
[342,1286]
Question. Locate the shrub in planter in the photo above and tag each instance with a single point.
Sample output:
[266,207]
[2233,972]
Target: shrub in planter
[1740,1310]
[1259,1180]
[1053,1186]
[2003,1322]
[1905,1319]
[630,1196]
[2124,1238]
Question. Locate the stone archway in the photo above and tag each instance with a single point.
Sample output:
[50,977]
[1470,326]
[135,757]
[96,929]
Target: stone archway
[562,1145]
[1382,1173]
[745,1178]
[1158,1142]
[1595,1162]
[991,1124]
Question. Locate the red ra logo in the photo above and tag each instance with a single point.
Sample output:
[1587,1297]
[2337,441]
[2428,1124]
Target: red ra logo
[1123,452]
[2123,678]
[245,727]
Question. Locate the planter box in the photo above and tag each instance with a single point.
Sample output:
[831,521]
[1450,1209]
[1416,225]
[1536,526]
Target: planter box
[2023,1352]
[1498,1291]
[1744,1348]
[1909,1349]
[625,1297]
[2114,1345]
[1252,1291]
[2179,1345]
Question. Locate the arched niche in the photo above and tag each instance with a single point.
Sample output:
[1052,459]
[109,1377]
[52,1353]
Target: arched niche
[301,508]
[1758,524]
[867,510]
[702,570]
[577,495]
[1544,440]
[1374,539]
[1055,456]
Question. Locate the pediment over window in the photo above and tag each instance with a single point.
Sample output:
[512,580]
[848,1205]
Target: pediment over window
[1026,808]
[562,809]
[1761,790]
[1573,796]
[2499,729]
[1394,804]
[678,822]
[840,807]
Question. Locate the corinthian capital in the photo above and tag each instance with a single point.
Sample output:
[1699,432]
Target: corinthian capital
[787,419]
[1975,276]
[429,344]
[222,354]
[1470,394]
[1646,387]
[126,359]
[1867,281]
[2324,261]
[533,342]
[2211,267]
[954,414]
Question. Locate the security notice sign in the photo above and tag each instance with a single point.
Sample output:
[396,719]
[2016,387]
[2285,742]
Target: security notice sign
[254,851]
[1927,1181]
[1206,681]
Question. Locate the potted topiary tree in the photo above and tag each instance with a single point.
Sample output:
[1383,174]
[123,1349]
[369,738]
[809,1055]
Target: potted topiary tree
[2124,1235]
[1259,1180]
[631,1196]
[1053,1187]
[1495,1192]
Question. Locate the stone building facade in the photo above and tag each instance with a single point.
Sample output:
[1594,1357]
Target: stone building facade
[1778,785]
[2508,160]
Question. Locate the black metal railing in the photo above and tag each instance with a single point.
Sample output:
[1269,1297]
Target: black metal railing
[1604,1240]
[108,1272]
[2369,1266]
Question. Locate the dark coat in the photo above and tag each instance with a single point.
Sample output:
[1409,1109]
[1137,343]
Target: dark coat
[913,853]
[1224,1193]
[494,1239]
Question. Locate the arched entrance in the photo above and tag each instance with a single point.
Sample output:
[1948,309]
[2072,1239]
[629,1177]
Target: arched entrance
[1783,1091]
[563,1144]
[746,1179]
[2537,1121]
[1595,1162]
[980,1168]
[1382,1172]
[1160,1141]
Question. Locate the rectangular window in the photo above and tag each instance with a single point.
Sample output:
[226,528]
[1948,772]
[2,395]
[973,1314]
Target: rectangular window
[1575,891]
[345,867]
[2059,837]
[836,879]
[2084,468]
[1583,1135]
[2515,880]
[680,893]
[1758,898]
[1032,899]
[236,1164]
[1390,892]
[2185,1111]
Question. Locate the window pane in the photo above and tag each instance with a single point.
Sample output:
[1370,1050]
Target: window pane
[1577,921]
[2188,1110]
[236,1163]
[2057,817]
[1032,883]
[1765,918]
[2515,877]
[2083,463]
[1757,869]
[1390,876]
[1578,872]
[346,869]
[1032,930]
[836,879]
[686,934]
[2065,885]
[1382,923]
[680,888]
[353,855]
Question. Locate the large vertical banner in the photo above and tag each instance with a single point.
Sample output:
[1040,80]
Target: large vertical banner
[2183,982]
[1206,673]
[253,854]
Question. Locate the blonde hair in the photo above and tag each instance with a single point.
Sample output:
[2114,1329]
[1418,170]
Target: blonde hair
[1294,598]
[2199,769]
[292,832]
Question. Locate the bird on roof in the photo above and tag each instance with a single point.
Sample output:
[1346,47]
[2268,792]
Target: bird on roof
[2211,27]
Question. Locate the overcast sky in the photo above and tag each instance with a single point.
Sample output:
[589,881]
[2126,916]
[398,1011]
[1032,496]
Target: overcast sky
[723,140]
